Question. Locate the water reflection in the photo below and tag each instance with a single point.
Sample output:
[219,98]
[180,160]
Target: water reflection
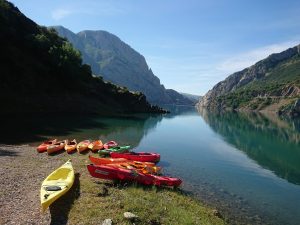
[273,142]
[33,129]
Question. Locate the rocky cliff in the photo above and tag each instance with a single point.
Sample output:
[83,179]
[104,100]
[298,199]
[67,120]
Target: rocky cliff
[118,63]
[42,73]
[271,84]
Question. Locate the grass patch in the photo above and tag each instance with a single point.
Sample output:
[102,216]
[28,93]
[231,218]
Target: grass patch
[99,200]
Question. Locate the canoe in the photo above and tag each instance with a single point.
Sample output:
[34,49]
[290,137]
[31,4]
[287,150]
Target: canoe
[137,156]
[96,145]
[83,146]
[57,184]
[110,144]
[113,173]
[70,146]
[43,147]
[56,147]
[143,167]
[114,149]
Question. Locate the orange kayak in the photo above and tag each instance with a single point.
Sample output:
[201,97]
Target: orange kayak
[70,146]
[83,146]
[144,167]
[43,147]
[139,167]
[56,147]
[99,161]
[96,145]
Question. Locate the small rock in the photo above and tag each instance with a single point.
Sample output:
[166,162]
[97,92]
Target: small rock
[130,216]
[107,222]
[217,213]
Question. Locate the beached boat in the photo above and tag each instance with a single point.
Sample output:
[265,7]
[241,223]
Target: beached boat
[83,146]
[57,184]
[56,147]
[70,146]
[110,144]
[144,167]
[101,161]
[96,145]
[43,147]
[137,156]
[113,173]
[114,149]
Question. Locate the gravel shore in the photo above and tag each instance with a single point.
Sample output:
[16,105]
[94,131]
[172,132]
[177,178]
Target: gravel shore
[22,171]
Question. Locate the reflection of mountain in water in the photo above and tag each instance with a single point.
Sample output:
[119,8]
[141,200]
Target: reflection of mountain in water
[272,142]
[129,130]
[31,129]
[176,110]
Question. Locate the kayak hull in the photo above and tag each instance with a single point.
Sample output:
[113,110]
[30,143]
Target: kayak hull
[102,161]
[43,147]
[120,149]
[137,156]
[113,173]
[83,146]
[58,146]
[110,144]
[143,167]
[70,147]
[56,184]
[96,146]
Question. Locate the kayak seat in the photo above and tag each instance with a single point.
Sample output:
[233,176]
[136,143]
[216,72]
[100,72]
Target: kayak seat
[53,188]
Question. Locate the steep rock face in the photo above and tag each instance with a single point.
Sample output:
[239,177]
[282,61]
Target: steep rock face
[277,76]
[118,63]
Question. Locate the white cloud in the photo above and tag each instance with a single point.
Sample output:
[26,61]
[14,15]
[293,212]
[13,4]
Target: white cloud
[59,14]
[244,60]
[94,8]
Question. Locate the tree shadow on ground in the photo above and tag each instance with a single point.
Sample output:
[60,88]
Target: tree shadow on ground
[60,209]
[5,152]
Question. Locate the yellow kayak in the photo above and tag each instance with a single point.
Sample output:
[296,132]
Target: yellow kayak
[57,184]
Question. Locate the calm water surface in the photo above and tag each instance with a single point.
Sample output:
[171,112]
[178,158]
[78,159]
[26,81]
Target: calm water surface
[245,165]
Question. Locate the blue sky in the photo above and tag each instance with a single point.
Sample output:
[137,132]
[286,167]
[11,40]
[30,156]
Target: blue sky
[189,44]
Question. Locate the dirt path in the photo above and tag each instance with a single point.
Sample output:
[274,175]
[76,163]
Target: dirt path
[22,171]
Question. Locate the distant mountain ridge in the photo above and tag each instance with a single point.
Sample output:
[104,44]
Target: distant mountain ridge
[272,84]
[118,63]
[194,98]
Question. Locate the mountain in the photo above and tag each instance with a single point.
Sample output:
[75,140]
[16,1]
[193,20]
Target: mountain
[272,84]
[118,63]
[41,73]
[194,98]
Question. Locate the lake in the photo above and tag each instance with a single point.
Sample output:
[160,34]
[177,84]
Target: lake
[245,165]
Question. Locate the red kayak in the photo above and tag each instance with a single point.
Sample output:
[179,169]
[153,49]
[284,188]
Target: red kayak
[110,144]
[137,156]
[43,147]
[114,173]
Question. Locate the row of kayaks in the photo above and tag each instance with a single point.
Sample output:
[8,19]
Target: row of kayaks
[139,167]
[54,146]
